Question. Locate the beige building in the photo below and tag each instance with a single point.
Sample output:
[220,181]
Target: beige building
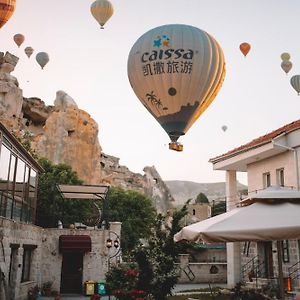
[30,255]
[270,160]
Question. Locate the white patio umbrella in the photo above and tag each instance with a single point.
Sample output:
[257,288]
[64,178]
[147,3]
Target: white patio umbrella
[260,221]
[270,216]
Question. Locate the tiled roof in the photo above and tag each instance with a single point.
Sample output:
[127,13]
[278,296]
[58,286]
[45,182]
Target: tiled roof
[260,141]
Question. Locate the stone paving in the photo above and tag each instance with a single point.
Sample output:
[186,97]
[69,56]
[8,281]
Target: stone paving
[177,288]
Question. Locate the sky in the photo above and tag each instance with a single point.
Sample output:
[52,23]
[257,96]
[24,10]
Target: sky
[90,64]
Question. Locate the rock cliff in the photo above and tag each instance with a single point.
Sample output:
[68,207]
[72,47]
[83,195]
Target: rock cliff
[64,133]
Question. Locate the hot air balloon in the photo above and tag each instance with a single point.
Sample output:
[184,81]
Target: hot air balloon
[286,66]
[7,8]
[285,56]
[176,72]
[19,39]
[102,10]
[42,58]
[245,48]
[224,128]
[28,51]
[295,82]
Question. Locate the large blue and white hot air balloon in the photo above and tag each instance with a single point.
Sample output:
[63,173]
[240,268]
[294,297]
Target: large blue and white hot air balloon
[176,72]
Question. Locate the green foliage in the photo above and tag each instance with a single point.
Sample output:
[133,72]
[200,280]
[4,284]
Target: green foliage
[136,213]
[218,208]
[51,207]
[201,198]
[156,262]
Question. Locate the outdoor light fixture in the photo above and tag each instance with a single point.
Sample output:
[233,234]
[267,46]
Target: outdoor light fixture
[109,243]
[116,244]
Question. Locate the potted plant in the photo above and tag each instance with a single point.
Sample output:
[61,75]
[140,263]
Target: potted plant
[46,288]
[33,293]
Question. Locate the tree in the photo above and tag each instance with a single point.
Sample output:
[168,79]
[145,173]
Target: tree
[218,208]
[201,198]
[51,207]
[136,213]
[156,261]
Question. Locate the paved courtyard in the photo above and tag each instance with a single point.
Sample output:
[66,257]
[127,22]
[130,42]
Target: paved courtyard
[177,288]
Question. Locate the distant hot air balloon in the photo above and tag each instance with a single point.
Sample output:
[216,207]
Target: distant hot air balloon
[19,39]
[286,66]
[295,82]
[102,10]
[176,72]
[285,56]
[28,51]
[42,58]
[245,48]
[224,128]
[7,8]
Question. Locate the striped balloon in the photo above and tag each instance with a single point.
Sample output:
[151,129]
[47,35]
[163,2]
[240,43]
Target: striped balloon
[7,8]
[102,10]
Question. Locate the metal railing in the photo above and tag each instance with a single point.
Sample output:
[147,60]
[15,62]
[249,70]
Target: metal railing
[294,273]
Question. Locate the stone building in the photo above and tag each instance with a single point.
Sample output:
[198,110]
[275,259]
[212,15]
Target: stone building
[269,160]
[29,252]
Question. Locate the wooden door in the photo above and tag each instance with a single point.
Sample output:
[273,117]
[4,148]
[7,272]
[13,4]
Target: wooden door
[268,259]
[71,273]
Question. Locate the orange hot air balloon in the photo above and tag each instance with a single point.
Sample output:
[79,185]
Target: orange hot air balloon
[7,8]
[19,39]
[245,48]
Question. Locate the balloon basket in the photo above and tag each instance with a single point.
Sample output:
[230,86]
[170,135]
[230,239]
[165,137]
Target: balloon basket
[176,146]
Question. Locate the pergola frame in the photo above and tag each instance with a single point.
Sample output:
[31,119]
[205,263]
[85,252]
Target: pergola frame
[88,192]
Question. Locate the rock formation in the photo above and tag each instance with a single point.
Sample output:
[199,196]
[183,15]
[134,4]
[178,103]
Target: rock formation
[70,136]
[63,133]
[149,184]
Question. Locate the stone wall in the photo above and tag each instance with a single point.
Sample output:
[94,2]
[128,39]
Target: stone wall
[47,260]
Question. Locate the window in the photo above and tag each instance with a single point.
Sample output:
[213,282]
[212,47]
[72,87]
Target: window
[266,180]
[285,251]
[194,212]
[246,248]
[27,259]
[280,177]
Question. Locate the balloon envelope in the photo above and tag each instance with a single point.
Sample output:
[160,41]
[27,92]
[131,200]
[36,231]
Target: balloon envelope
[285,56]
[176,72]
[42,58]
[102,10]
[295,82]
[7,8]
[286,66]
[224,128]
[245,48]
[28,51]
[19,39]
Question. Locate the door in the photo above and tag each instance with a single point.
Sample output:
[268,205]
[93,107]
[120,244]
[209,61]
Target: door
[265,254]
[71,273]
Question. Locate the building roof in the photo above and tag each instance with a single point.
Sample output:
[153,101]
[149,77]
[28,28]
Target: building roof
[267,138]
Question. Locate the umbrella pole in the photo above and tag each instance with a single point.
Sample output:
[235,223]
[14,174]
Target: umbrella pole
[280,272]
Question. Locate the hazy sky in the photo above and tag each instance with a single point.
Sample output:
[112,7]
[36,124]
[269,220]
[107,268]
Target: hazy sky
[90,64]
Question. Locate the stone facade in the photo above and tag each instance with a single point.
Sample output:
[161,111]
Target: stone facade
[208,271]
[46,260]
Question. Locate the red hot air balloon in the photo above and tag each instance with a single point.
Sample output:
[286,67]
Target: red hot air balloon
[245,48]
[19,39]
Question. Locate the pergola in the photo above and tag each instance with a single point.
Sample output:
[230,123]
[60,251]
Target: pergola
[87,192]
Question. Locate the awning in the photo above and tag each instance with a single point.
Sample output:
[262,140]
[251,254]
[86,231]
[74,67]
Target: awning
[75,243]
